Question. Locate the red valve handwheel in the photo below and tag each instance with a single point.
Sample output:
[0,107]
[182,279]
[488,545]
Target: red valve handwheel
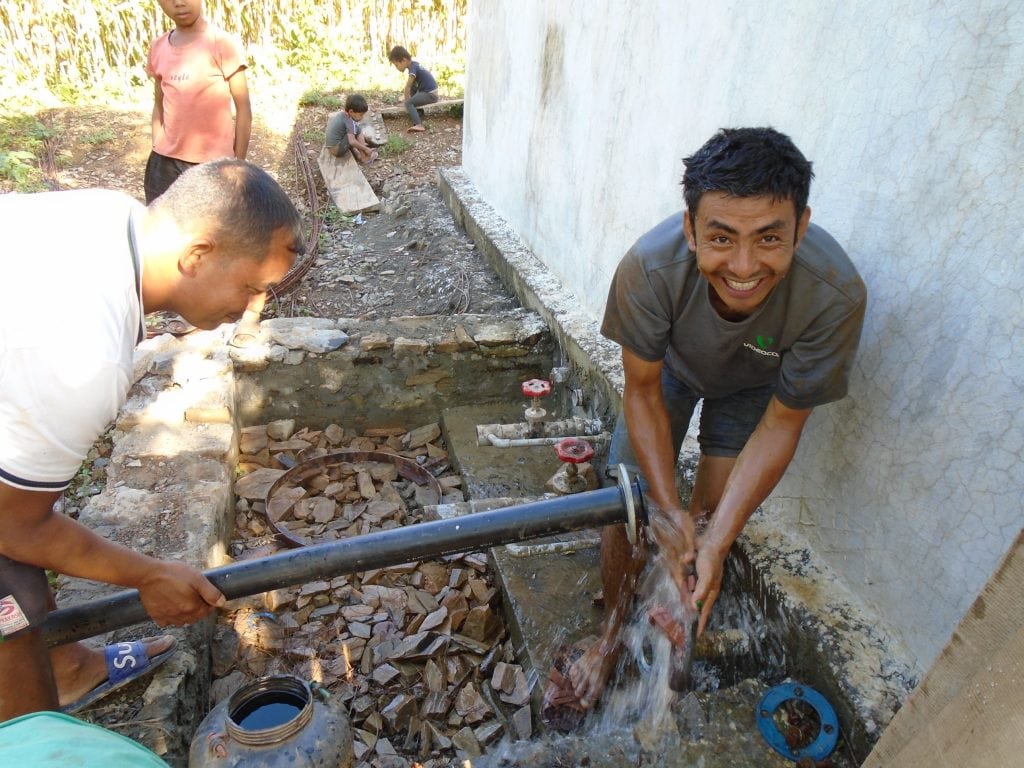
[536,388]
[573,450]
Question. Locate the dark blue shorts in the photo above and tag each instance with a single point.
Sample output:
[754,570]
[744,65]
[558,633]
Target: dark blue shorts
[726,423]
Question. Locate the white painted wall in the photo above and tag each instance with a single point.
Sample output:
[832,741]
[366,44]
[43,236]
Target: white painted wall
[578,114]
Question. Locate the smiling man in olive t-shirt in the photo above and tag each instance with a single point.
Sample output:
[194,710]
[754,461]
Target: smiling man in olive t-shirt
[739,303]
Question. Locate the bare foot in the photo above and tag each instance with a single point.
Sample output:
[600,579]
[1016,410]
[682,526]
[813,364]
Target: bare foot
[416,129]
[590,673]
[78,668]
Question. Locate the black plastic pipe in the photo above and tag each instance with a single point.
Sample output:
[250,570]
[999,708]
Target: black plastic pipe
[589,509]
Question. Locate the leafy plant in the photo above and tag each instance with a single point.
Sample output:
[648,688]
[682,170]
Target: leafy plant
[318,98]
[101,136]
[396,145]
[23,139]
[18,166]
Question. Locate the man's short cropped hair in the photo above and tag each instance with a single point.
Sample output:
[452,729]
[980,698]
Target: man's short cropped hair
[398,53]
[239,203]
[748,162]
[355,103]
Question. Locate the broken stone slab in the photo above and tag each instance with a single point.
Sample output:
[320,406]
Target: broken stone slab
[281,429]
[252,440]
[522,722]
[422,435]
[520,693]
[524,332]
[435,706]
[283,501]
[384,674]
[374,340]
[314,587]
[315,340]
[488,732]
[398,712]
[466,742]
[223,687]
[407,346]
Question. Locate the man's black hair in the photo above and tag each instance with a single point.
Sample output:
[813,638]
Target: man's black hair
[241,204]
[355,103]
[748,162]
[398,53]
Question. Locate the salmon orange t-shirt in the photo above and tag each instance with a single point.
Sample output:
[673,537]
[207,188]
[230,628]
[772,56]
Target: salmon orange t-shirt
[197,121]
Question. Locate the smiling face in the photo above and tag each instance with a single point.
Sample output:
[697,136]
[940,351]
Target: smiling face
[744,247]
[221,287]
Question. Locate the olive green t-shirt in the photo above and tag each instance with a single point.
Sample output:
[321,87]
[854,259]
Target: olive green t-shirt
[803,338]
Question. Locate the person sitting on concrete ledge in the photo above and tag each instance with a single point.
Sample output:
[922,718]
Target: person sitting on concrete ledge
[741,303]
[344,134]
[209,249]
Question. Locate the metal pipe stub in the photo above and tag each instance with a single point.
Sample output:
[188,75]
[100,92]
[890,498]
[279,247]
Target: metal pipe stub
[381,549]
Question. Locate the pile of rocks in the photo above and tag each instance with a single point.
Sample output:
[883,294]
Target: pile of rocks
[417,651]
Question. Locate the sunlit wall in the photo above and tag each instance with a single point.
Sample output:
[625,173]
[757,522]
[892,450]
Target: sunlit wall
[577,117]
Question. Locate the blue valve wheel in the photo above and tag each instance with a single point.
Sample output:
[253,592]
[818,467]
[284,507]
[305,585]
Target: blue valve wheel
[828,729]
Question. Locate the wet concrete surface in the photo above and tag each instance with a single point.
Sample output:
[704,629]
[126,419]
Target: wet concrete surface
[550,603]
[707,730]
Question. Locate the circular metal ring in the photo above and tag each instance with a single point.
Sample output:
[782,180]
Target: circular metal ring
[410,470]
[828,729]
[627,499]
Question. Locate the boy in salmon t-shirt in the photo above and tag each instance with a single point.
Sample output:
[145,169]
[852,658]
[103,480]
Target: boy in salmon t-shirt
[198,71]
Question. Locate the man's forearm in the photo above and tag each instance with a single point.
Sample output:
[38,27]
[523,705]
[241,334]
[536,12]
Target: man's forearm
[757,471]
[650,434]
[61,544]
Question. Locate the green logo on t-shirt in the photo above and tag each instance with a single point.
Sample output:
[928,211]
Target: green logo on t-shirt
[764,341]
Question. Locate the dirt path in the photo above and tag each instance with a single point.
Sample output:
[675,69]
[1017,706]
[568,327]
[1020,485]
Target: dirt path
[409,259]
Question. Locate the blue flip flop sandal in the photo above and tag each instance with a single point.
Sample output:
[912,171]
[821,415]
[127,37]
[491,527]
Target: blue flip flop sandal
[126,662]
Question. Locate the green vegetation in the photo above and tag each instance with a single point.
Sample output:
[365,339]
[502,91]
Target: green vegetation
[23,140]
[332,216]
[101,136]
[396,144]
[65,47]
[80,52]
[318,98]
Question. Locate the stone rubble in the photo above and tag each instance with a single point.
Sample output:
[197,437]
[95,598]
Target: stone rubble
[418,652]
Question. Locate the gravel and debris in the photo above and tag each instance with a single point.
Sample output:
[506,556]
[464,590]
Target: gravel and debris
[418,652]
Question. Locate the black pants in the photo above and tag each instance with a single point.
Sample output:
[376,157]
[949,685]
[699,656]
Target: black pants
[160,174]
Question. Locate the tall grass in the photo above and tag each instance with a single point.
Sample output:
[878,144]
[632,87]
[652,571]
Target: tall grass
[69,46]
[58,52]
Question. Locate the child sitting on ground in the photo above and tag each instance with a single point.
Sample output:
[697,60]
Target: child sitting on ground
[420,86]
[345,133]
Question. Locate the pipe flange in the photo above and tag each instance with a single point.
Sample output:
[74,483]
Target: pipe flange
[627,500]
[828,729]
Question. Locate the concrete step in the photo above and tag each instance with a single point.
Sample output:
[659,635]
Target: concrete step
[549,595]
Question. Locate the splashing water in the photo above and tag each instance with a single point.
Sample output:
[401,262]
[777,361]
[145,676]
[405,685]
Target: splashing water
[646,697]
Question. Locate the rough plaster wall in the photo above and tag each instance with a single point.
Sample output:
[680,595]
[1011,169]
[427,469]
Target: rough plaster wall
[577,117]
